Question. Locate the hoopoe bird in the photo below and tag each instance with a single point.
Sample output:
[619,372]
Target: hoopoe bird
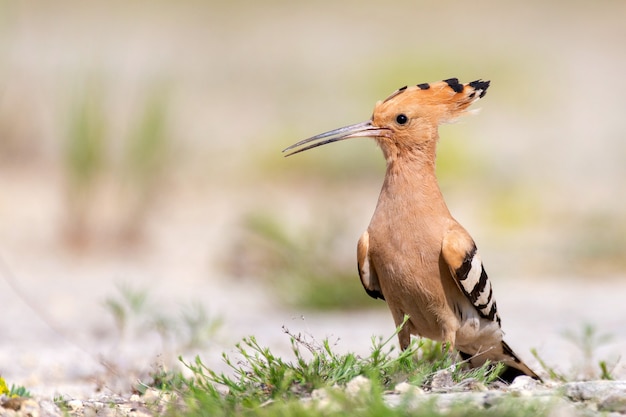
[414,254]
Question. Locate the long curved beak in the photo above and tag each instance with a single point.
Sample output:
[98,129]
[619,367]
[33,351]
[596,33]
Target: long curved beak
[358,130]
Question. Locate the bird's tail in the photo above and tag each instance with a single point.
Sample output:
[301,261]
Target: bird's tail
[514,366]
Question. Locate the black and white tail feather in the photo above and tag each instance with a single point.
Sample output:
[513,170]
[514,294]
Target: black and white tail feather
[475,284]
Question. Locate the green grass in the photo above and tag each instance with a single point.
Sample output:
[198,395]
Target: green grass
[320,381]
[261,376]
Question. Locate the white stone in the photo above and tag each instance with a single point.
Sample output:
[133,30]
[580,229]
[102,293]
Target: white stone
[74,405]
[406,388]
[523,383]
[442,379]
[30,408]
[357,385]
[319,394]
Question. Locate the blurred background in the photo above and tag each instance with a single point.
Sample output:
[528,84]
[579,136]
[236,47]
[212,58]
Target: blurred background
[146,210]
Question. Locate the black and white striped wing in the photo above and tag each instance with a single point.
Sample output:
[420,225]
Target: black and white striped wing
[466,267]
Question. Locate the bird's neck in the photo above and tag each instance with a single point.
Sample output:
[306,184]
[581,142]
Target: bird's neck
[411,181]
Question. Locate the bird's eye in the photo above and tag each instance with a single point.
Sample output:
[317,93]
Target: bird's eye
[401,119]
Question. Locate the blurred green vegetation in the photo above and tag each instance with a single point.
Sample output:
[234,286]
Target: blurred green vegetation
[588,340]
[304,266]
[146,149]
[457,161]
[146,157]
[85,150]
[137,312]
[96,169]
[597,246]
[588,367]
[84,159]
[513,206]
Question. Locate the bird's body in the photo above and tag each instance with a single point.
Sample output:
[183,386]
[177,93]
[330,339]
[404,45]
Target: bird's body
[414,254]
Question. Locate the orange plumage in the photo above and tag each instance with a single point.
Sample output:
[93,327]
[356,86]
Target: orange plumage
[414,254]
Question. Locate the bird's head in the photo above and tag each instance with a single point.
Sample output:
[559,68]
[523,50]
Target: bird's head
[408,119]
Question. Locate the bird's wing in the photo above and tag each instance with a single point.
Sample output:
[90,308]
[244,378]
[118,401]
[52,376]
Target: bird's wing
[367,273]
[460,253]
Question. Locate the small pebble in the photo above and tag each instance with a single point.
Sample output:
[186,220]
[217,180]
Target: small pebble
[523,383]
[30,408]
[74,405]
[90,411]
[442,379]
[13,403]
[406,388]
[357,385]
[151,395]
[323,401]
[319,394]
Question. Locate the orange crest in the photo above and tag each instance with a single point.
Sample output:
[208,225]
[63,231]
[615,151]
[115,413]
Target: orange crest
[439,102]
